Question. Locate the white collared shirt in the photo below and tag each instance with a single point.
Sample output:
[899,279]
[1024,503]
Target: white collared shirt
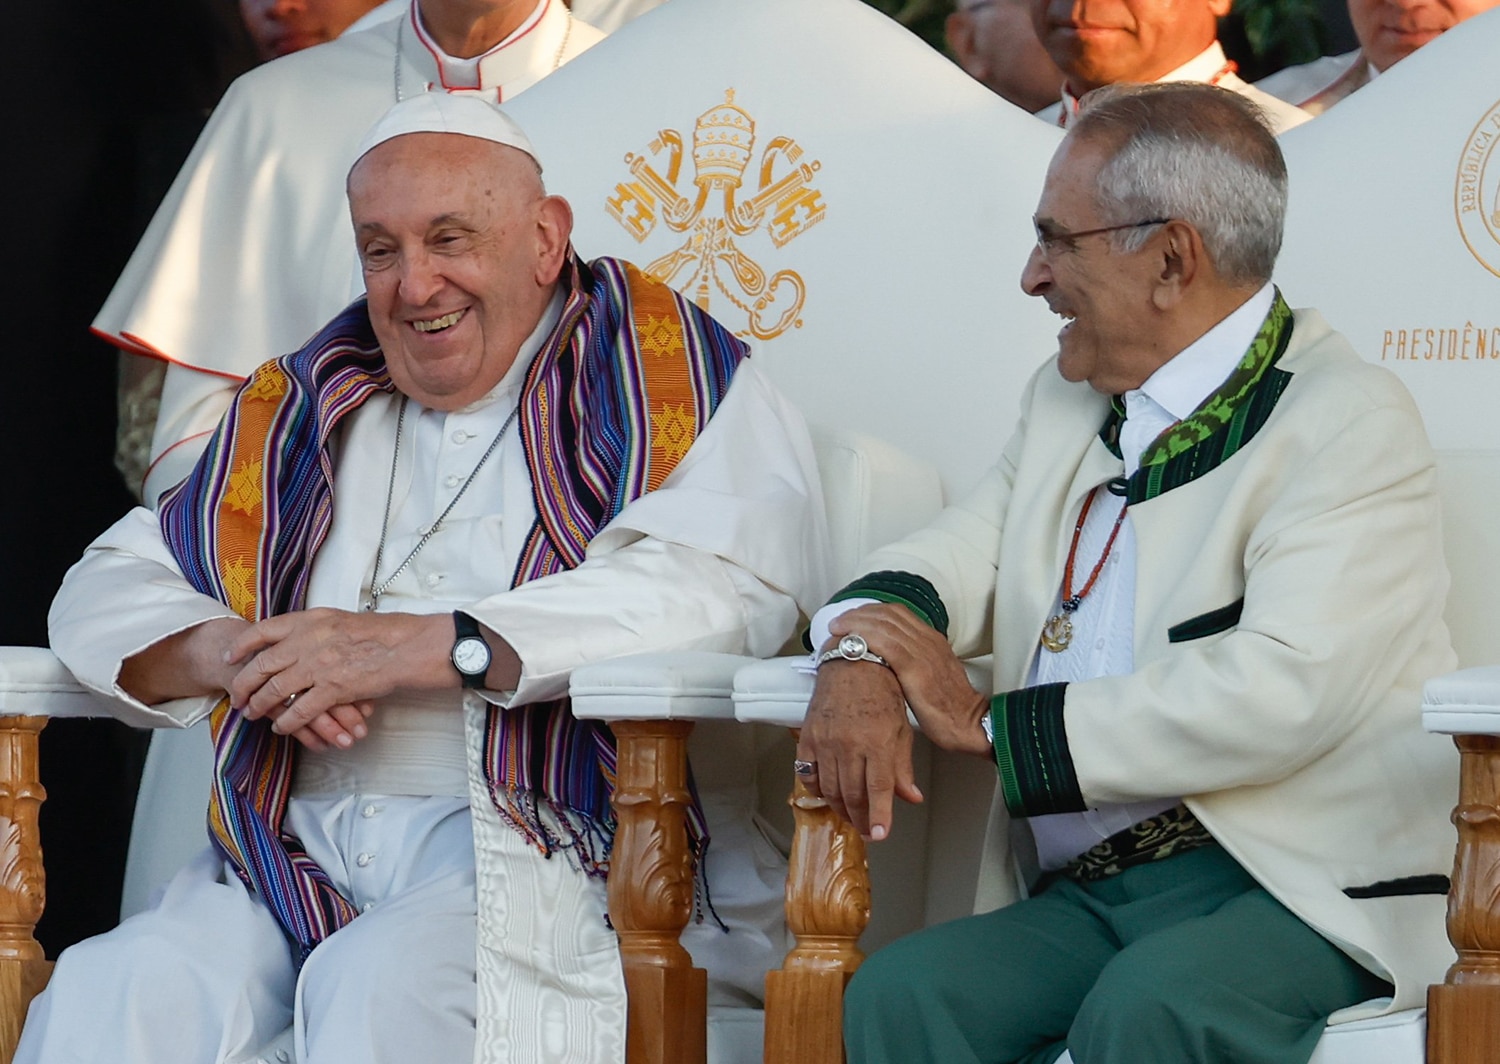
[1103,642]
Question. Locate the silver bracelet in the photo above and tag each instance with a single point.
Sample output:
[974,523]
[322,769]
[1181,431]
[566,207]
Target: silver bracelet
[851,648]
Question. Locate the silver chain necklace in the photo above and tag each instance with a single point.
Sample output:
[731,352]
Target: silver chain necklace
[376,590]
[401,35]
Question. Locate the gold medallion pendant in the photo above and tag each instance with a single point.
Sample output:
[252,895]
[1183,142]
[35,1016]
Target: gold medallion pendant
[1057,633]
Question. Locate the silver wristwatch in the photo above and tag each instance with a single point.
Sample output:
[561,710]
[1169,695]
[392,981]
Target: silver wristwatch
[851,648]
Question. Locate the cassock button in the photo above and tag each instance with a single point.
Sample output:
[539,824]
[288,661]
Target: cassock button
[450,481]
[460,436]
[367,906]
[283,1056]
[434,579]
[364,859]
[368,811]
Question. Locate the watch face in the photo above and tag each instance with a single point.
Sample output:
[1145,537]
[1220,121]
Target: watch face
[470,656]
[853,647]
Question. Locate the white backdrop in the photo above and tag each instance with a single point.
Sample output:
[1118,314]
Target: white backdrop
[1389,191]
[921,181]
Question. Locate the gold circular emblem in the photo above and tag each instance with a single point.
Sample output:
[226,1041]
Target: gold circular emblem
[1476,193]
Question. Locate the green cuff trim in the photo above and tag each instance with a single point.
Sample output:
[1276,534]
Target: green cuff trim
[1031,752]
[905,589]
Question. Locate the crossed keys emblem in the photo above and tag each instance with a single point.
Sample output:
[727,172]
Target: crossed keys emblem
[784,204]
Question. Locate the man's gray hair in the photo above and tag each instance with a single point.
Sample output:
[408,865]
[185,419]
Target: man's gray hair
[1192,152]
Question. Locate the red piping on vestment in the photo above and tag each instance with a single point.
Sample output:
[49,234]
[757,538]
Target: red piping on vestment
[437,57]
[134,345]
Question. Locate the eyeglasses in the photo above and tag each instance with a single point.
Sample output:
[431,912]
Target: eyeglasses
[1052,240]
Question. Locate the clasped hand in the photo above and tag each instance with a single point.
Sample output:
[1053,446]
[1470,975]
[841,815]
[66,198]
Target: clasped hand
[856,732]
[317,673]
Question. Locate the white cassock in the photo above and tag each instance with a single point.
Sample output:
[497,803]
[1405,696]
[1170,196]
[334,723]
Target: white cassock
[1317,86]
[719,558]
[1211,67]
[251,251]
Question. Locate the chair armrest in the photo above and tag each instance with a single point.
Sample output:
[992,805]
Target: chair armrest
[650,702]
[685,685]
[776,691]
[33,683]
[1466,702]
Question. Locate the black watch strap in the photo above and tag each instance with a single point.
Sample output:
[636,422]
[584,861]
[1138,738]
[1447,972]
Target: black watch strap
[464,625]
[466,633]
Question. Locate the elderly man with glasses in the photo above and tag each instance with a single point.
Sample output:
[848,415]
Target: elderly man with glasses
[1208,565]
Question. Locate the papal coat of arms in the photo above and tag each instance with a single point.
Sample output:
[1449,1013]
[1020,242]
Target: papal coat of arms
[719,209]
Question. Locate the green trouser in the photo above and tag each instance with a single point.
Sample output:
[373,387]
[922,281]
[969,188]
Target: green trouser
[1181,961]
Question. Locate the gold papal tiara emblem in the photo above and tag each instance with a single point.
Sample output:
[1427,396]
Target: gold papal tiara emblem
[710,264]
[1476,196]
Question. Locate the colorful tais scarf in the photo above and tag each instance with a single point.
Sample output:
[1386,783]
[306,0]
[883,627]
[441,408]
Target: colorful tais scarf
[611,403]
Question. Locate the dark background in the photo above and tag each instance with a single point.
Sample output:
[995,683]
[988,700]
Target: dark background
[125,89]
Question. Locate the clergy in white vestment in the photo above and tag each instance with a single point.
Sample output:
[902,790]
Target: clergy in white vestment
[1115,41]
[1388,31]
[503,463]
[249,252]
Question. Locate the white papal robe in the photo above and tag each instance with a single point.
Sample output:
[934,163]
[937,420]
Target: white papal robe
[720,558]
[251,251]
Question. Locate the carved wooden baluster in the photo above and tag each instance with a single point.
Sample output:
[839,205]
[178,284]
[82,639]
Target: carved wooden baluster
[1463,1015]
[23,968]
[827,908]
[651,895]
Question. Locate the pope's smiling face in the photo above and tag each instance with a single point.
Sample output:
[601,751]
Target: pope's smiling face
[461,251]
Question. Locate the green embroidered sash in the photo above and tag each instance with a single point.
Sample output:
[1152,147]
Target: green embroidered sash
[1222,424]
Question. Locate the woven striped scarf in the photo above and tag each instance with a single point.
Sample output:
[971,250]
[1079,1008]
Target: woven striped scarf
[614,399]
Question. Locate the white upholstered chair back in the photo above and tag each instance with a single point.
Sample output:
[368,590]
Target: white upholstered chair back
[874,494]
[1470,484]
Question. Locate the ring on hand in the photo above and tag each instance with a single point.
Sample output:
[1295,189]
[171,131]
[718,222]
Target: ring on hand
[292,698]
[805,768]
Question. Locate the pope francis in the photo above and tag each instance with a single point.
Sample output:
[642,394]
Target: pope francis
[502,463]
